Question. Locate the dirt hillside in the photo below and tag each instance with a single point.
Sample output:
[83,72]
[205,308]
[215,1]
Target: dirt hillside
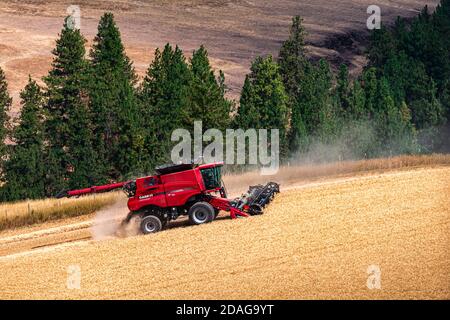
[234,31]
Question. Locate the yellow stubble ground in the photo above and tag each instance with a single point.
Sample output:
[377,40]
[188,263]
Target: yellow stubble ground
[312,242]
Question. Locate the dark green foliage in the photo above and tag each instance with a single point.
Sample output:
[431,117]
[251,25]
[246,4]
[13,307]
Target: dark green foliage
[292,58]
[5,104]
[24,170]
[208,102]
[427,111]
[315,102]
[114,110]
[263,103]
[70,159]
[414,57]
[294,67]
[166,102]
[395,133]
[381,46]
[343,90]
[357,101]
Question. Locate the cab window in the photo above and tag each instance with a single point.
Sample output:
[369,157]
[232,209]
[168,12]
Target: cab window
[149,182]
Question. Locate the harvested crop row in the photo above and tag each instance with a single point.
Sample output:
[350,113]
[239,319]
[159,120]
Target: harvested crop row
[313,242]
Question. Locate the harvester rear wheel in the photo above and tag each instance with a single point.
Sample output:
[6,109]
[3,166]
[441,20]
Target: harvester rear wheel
[151,224]
[201,212]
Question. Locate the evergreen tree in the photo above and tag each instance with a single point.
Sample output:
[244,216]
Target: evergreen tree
[370,81]
[395,133]
[70,158]
[327,121]
[343,90]
[292,58]
[115,117]
[426,45]
[441,20]
[165,97]
[5,104]
[24,170]
[207,94]
[428,111]
[381,46]
[315,103]
[263,103]
[357,101]
[294,67]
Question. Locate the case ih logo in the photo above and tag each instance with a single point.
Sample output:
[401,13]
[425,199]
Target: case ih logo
[241,147]
[146,196]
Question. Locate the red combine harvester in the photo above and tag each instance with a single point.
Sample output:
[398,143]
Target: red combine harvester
[185,189]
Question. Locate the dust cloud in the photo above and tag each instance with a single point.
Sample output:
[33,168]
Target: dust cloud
[107,222]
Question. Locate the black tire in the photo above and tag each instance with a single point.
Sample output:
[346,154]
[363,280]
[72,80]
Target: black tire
[201,213]
[255,210]
[151,224]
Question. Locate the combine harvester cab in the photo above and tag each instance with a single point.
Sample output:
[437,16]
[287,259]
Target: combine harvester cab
[186,189]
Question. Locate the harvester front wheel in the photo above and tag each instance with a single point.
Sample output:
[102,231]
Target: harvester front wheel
[151,224]
[201,212]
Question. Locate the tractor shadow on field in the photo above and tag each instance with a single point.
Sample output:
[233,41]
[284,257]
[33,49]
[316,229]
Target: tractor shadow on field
[183,222]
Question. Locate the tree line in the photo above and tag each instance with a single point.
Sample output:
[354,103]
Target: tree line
[94,122]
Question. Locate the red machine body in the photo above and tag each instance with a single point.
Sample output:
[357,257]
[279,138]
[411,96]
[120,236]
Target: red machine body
[96,189]
[170,190]
[185,189]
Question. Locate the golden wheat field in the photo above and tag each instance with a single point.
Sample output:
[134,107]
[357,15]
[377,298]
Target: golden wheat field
[314,241]
[37,211]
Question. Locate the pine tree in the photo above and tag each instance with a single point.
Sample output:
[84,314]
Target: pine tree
[343,90]
[292,58]
[370,81]
[441,20]
[70,158]
[113,104]
[395,132]
[263,103]
[24,170]
[207,94]
[427,45]
[165,100]
[5,104]
[294,67]
[357,101]
[428,111]
[381,46]
[327,121]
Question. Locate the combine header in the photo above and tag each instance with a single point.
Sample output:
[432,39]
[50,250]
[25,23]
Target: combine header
[185,189]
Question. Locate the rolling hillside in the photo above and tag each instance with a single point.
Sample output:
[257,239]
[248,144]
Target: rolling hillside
[234,31]
[314,241]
